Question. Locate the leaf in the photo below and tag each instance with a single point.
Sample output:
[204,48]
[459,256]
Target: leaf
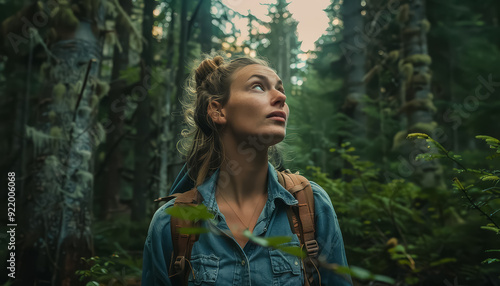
[277,240]
[492,228]
[92,283]
[293,250]
[417,136]
[489,178]
[443,261]
[493,250]
[193,213]
[458,184]
[490,260]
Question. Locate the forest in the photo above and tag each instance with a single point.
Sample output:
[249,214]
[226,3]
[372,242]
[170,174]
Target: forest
[393,113]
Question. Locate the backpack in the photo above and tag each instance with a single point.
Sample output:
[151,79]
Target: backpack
[300,217]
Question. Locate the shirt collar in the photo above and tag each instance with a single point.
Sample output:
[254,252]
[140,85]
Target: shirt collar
[274,188]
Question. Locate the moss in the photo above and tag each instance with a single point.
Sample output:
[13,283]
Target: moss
[66,18]
[100,133]
[84,111]
[52,116]
[399,139]
[393,56]
[58,91]
[426,25]
[422,78]
[403,14]
[407,71]
[427,128]
[101,88]
[418,104]
[86,178]
[94,101]
[419,59]
[56,132]
[42,141]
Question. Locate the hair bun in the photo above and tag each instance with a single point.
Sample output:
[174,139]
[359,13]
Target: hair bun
[207,67]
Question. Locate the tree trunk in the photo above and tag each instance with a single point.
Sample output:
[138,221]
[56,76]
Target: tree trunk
[205,20]
[166,137]
[354,67]
[56,228]
[142,146]
[110,201]
[417,101]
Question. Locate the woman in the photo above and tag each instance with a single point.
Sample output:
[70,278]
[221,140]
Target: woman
[237,112]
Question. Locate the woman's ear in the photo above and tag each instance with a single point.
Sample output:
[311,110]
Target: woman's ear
[214,110]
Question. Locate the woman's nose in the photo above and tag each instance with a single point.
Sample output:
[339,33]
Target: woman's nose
[278,98]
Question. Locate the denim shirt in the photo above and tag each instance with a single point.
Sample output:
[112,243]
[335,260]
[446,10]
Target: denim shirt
[217,259]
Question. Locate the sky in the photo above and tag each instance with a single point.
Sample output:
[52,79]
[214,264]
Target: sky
[309,13]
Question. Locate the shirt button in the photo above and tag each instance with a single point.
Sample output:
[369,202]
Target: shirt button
[243,263]
[296,262]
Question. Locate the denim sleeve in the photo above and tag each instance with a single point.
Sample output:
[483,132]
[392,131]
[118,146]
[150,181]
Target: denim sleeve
[157,250]
[329,237]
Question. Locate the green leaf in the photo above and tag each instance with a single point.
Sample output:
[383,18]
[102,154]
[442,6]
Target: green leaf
[492,228]
[493,250]
[277,240]
[490,260]
[443,261]
[293,250]
[489,178]
[193,213]
[417,136]
[92,283]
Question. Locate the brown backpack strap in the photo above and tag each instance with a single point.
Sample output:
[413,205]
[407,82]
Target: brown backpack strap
[301,217]
[182,243]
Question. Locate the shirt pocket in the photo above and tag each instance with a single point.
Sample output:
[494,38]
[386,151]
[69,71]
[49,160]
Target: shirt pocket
[205,269]
[287,269]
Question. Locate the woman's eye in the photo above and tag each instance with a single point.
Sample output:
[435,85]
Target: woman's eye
[258,86]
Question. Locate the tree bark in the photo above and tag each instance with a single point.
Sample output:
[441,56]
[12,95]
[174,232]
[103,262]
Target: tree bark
[55,231]
[166,136]
[110,201]
[142,146]
[417,102]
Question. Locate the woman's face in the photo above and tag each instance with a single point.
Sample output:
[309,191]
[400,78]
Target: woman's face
[256,110]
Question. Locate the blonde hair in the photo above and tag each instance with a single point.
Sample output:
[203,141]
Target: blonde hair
[210,81]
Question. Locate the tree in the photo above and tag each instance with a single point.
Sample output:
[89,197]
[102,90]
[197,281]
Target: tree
[57,232]
[417,106]
[113,182]
[142,143]
[354,52]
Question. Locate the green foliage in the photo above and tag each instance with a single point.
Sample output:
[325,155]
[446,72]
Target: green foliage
[111,270]
[393,227]
[483,198]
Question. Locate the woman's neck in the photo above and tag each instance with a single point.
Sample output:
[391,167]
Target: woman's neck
[243,173]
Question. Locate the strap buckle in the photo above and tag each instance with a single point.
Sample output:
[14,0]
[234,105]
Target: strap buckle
[312,248]
[179,264]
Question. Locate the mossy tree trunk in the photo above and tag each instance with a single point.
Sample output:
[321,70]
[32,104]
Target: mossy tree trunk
[417,100]
[55,230]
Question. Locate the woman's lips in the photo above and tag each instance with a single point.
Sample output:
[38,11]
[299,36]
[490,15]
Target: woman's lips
[277,115]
